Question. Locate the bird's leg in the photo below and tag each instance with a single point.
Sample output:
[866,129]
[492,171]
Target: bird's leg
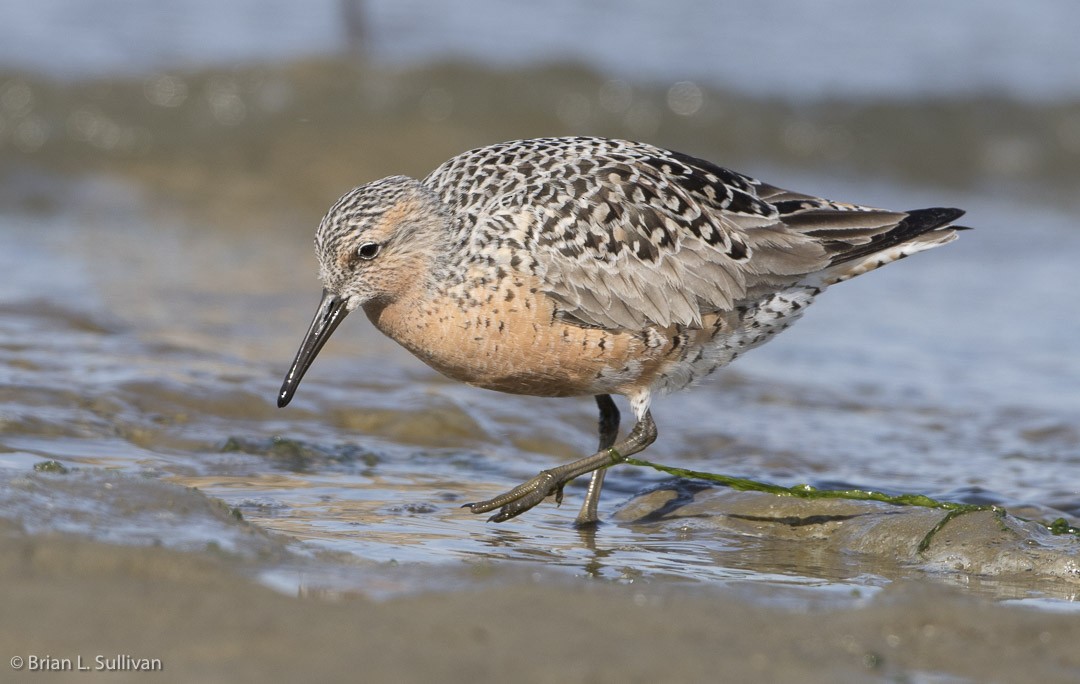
[526,495]
[609,430]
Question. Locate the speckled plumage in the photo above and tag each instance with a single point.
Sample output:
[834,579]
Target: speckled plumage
[569,266]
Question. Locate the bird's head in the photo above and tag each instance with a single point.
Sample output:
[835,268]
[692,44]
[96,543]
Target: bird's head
[379,242]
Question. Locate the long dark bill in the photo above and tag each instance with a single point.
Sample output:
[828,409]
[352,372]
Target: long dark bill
[331,313]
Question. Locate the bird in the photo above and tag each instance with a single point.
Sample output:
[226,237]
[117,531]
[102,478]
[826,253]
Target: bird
[574,266]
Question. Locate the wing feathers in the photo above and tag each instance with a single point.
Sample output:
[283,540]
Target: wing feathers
[626,235]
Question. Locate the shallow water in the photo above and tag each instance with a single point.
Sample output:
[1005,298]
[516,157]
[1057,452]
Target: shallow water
[160,353]
[158,276]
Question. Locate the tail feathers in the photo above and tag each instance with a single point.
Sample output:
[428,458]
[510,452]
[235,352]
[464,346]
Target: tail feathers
[920,230]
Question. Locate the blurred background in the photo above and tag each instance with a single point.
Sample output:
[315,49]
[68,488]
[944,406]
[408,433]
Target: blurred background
[163,167]
[967,94]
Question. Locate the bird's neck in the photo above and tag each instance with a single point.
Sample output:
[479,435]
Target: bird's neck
[409,319]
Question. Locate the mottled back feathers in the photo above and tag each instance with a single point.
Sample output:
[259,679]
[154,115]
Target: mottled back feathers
[626,235]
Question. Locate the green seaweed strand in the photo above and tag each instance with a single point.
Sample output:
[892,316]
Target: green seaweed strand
[805,491]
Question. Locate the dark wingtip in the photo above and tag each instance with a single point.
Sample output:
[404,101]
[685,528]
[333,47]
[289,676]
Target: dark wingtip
[935,217]
[917,222]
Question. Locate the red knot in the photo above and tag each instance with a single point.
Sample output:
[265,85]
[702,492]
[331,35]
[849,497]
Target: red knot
[562,267]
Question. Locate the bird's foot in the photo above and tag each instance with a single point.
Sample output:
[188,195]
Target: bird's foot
[526,495]
[549,482]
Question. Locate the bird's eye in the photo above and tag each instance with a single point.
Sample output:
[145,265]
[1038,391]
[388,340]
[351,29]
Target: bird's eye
[368,250]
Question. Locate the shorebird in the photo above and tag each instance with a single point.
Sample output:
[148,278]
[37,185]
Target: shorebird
[562,267]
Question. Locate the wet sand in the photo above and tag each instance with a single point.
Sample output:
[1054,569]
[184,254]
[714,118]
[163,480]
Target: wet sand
[67,597]
[208,615]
